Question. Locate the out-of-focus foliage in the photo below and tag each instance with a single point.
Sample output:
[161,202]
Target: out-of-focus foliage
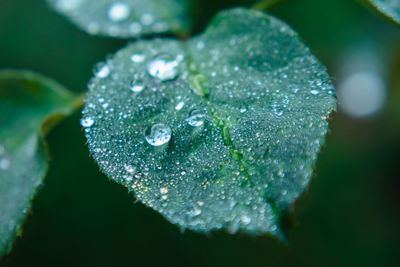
[30,105]
[129,18]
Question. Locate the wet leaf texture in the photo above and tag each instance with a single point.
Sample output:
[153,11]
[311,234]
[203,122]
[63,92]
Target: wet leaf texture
[218,132]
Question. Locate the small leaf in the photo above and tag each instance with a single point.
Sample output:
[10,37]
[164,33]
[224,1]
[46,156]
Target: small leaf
[226,128]
[388,8]
[127,18]
[30,105]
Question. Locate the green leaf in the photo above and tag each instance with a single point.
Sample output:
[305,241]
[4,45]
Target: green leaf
[221,131]
[389,8]
[266,4]
[127,18]
[30,105]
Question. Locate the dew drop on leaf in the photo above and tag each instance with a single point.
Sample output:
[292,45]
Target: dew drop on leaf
[137,86]
[179,106]
[138,58]
[314,92]
[87,122]
[196,119]
[163,67]
[158,134]
[118,11]
[102,70]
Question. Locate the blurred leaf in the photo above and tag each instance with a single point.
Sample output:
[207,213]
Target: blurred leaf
[221,131]
[266,4]
[30,105]
[388,8]
[128,18]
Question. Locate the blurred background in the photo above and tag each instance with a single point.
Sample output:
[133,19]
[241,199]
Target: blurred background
[350,216]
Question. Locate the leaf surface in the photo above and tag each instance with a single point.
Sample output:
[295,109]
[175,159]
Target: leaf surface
[389,8]
[221,131]
[127,18]
[30,105]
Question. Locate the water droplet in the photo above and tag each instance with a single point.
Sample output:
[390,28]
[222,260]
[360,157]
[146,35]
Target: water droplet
[200,45]
[135,28]
[87,122]
[93,27]
[179,106]
[138,58]
[130,168]
[147,19]
[137,86]
[196,119]
[160,27]
[314,92]
[163,190]
[5,163]
[118,11]
[102,70]
[245,219]
[158,134]
[195,212]
[164,67]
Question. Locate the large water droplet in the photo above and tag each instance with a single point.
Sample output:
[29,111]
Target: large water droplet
[137,86]
[158,134]
[87,122]
[118,11]
[196,119]
[102,70]
[163,67]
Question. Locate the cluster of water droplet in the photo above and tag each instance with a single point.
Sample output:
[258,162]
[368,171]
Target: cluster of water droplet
[223,142]
[123,18]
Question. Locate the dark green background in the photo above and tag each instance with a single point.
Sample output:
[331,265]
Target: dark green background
[349,217]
